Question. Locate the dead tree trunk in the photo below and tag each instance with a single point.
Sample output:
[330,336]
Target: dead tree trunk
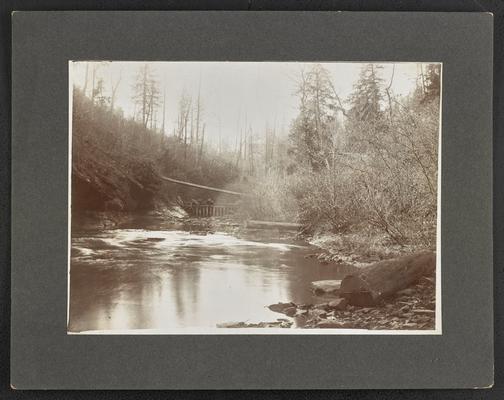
[86,79]
[385,278]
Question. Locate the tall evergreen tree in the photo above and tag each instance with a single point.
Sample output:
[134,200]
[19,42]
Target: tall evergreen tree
[312,131]
[367,111]
[367,96]
[432,82]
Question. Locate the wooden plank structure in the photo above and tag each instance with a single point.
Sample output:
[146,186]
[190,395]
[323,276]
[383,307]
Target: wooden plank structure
[273,225]
[195,185]
[208,210]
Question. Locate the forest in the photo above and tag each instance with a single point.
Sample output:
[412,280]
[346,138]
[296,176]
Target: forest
[364,165]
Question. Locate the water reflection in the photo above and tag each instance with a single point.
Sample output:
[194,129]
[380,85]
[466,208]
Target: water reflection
[173,279]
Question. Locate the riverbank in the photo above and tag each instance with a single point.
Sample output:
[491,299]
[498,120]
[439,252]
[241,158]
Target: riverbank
[412,308]
[357,249]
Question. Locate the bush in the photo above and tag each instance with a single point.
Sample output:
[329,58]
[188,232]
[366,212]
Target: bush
[268,198]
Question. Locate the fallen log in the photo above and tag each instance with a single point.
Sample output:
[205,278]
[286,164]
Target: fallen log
[272,225]
[385,278]
[202,186]
[326,287]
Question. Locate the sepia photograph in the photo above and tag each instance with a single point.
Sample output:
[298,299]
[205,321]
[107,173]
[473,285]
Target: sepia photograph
[254,197]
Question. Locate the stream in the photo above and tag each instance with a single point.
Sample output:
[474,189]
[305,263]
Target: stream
[173,277]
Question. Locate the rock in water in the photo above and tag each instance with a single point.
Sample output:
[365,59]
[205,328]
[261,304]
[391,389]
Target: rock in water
[232,324]
[281,307]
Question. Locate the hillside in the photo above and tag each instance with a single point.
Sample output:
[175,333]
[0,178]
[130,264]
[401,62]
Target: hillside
[105,176]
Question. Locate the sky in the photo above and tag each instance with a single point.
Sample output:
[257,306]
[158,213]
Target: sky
[236,94]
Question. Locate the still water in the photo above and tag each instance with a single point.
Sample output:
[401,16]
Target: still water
[172,278]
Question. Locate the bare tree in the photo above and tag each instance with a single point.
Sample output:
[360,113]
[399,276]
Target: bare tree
[93,74]
[114,85]
[84,89]
[202,142]
[198,112]
[146,94]
[164,112]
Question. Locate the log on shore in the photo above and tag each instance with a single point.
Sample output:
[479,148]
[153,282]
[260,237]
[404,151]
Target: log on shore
[272,225]
[326,287]
[385,278]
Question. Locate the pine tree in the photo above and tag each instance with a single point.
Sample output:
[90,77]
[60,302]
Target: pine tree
[366,116]
[367,97]
[312,131]
[432,82]
[99,93]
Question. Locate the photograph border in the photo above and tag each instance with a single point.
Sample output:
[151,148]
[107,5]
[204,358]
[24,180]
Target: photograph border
[270,331]
[43,356]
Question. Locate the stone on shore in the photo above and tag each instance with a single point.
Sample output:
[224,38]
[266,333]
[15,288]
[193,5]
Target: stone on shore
[424,312]
[358,301]
[328,324]
[338,304]
[333,324]
[280,323]
[290,311]
[316,314]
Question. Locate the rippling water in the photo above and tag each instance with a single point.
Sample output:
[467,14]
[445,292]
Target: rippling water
[176,280]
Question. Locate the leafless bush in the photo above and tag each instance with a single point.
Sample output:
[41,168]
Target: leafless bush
[269,198]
